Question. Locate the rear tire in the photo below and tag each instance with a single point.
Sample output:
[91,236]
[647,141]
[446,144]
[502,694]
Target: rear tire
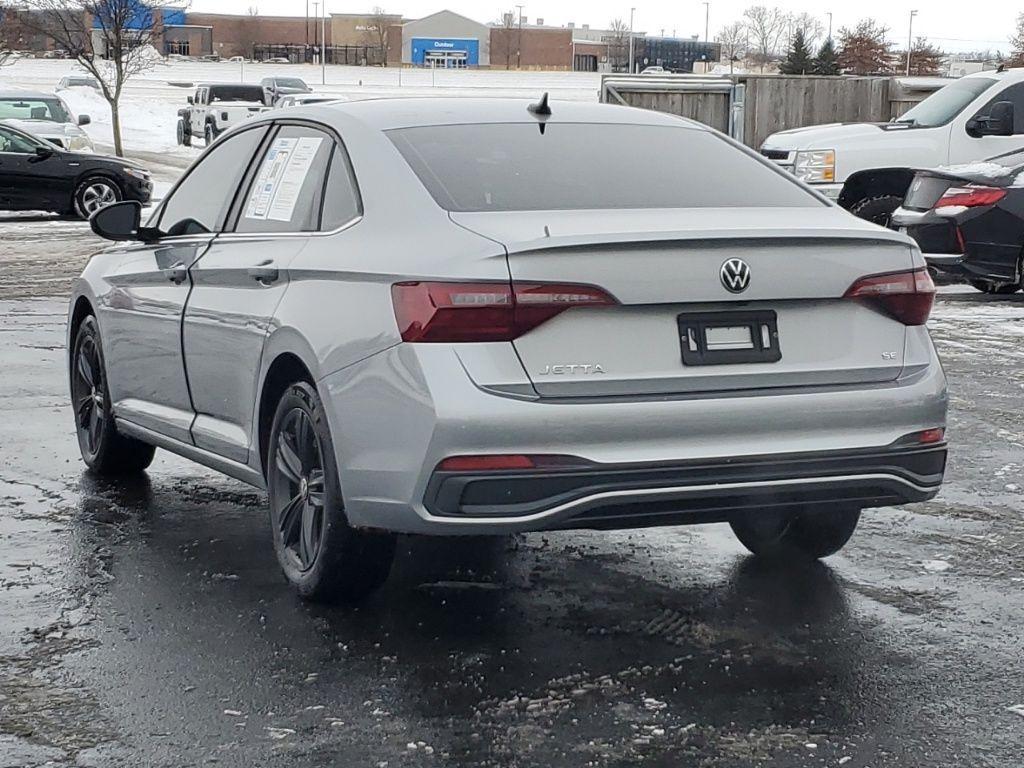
[184,133]
[995,289]
[811,533]
[105,450]
[210,134]
[877,210]
[324,558]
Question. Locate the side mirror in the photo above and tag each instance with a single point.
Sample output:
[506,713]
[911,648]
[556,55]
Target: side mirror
[42,153]
[191,99]
[84,120]
[998,122]
[120,221]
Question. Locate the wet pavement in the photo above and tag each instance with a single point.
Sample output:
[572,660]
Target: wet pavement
[146,623]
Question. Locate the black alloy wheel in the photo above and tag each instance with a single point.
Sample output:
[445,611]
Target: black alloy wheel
[299,489]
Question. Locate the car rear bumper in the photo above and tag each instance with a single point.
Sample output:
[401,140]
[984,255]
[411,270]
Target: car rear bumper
[397,415]
[689,492]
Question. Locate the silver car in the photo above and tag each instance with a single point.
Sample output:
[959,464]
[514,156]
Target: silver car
[480,316]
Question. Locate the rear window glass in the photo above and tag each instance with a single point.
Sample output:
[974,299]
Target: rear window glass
[587,166]
[236,93]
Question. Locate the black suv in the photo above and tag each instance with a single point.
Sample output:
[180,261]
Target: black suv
[35,175]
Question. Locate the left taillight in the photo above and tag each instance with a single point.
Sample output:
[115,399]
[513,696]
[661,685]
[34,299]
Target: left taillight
[970,196]
[905,296]
[439,312]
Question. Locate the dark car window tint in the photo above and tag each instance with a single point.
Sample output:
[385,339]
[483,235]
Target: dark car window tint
[581,166]
[1015,95]
[341,201]
[206,193]
[287,190]
[11,141]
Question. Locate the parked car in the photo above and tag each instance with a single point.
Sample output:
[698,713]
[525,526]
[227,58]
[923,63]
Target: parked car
[37,176]
[45,116]
[479,316]
[215,108]
[276,87]
[78,81]
[304,100]
[278,60]
[865,165]
[969,221]
[654,71]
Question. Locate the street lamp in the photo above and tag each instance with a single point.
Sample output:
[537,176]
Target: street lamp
[707,22]
[631,12]
[323,46]
[316,15]
[910,41]
[519,40]
[830,25]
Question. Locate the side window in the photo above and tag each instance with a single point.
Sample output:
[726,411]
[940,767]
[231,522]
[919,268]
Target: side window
[1015,95]
[341,200]
[15,143]
[287,191]
[201,201]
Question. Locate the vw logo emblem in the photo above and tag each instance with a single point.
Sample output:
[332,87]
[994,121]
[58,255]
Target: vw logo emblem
[735,274]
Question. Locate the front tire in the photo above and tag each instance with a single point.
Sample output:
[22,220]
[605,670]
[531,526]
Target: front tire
[877,210]
[184,133]
[810,533]
[104,450]
[324,558]
[94,194]
[210,134]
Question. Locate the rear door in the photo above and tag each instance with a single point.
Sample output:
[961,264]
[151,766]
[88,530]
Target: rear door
[239,282]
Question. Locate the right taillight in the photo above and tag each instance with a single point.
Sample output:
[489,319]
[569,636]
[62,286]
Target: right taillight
[437,312]
[905,296]
[970,196]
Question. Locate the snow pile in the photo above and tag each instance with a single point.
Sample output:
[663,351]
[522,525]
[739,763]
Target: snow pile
[993,170]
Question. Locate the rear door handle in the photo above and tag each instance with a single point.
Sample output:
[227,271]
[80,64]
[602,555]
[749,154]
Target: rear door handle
[177,274]
[265,273]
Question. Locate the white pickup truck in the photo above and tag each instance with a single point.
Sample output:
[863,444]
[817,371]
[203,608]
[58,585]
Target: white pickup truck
[868,167]
[215,108]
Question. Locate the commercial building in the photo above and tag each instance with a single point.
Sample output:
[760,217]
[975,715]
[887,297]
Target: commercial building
[676,54]
[446,40]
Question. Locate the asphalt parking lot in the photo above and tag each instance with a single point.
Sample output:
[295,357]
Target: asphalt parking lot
[148,623]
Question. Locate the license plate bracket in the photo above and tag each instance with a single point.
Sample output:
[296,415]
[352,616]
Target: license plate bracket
[729,338]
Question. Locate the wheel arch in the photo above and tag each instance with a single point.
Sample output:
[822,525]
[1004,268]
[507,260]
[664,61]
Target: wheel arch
[91,173]
[81,309]
[877,182]
[286,368]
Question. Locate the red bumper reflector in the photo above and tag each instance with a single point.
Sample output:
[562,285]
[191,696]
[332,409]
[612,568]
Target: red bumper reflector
[507,462]
[931,436]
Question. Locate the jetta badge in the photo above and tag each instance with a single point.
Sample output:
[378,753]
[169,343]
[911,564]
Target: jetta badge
[735,274]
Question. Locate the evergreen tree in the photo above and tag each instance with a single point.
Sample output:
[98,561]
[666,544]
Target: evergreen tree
[799,59]
[827,60]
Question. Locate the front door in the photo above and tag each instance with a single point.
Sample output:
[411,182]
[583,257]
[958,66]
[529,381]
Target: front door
[141,315]
[239,283]
[29,181]
[965,148]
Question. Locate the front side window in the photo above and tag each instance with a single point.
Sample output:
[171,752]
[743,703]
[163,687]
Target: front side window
[202,200]
[942,106]
[34,109]
[1015,95]
[17,143]
[287,191]
[589,166]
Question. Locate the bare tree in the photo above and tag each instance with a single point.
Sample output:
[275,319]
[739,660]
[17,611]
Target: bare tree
[733,39]
[618,44]
[1017,44]
[377,33]
[111,39]
[767,28]
[506,47]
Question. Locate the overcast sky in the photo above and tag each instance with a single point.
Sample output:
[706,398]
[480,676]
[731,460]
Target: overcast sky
[951,24]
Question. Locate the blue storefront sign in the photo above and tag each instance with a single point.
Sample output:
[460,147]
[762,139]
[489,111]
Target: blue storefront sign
[432,48]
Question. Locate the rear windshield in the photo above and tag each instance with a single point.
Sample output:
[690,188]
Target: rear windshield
[586,166]
[289,82]
[236,93]
[34,109]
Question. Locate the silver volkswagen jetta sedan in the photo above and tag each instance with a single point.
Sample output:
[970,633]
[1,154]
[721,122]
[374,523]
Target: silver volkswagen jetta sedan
[488,316]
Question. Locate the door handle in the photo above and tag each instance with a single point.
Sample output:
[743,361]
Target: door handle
[265,273]
[177,274]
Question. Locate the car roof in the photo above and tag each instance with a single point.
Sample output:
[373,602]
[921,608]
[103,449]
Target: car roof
[27,95]
[412,112]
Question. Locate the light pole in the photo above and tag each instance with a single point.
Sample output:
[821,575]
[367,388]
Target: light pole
[632,11]
[323,46]
[519,40]
[707,22]
[830,25]
[910,41]
[316,15]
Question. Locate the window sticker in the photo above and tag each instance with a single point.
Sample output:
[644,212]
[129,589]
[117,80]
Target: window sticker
[281,178]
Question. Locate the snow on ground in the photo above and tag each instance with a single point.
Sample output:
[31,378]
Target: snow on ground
[152,99]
